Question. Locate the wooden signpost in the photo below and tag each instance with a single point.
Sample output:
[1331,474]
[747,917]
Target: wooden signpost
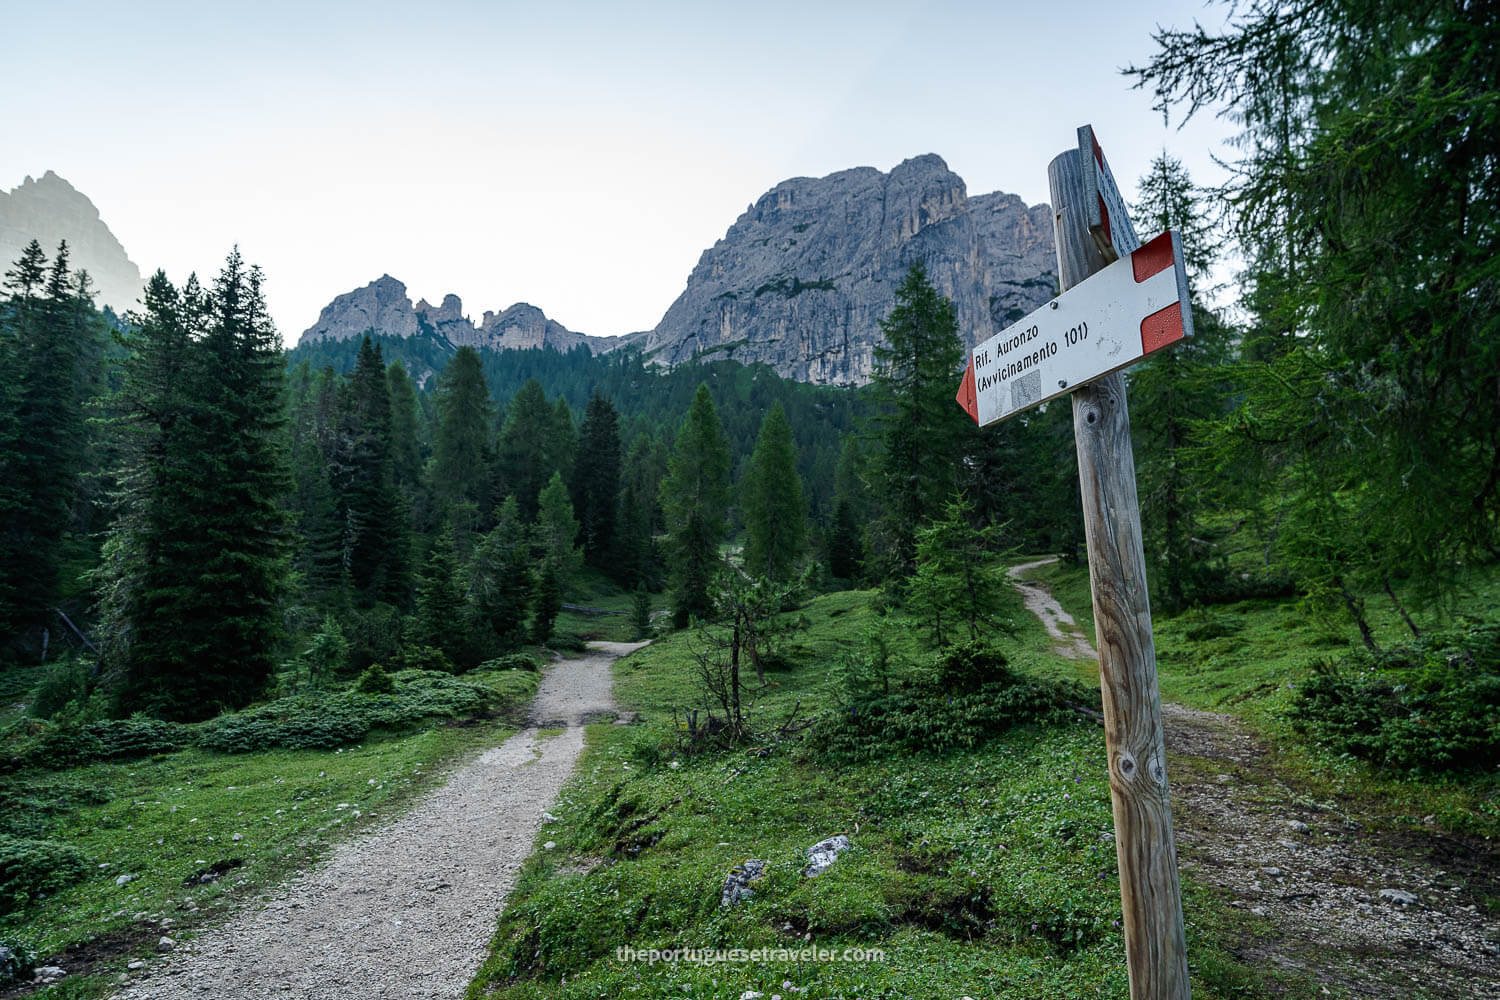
[1129,307]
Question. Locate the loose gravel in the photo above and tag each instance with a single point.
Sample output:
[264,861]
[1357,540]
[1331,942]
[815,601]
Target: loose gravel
[407,910]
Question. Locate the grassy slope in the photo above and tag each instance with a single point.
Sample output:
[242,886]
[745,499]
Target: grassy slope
[985,873]
[1247,658]
[163,818]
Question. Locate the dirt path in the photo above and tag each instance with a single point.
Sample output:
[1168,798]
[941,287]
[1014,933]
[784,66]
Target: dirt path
[1070,640]
[1363,913]
[407,910]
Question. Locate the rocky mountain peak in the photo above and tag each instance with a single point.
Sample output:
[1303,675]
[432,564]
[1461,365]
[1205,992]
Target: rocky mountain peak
[50,210]
[802,279]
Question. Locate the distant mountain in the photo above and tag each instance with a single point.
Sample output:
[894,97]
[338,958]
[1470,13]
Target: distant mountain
[383,307]
[800,282]
[803,278]
[50,210]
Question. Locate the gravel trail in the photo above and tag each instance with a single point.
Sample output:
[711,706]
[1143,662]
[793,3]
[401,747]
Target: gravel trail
[1326,892]
[407,910]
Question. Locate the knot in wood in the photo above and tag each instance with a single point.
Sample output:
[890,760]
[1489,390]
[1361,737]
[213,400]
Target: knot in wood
[1126,765]
[1091,414]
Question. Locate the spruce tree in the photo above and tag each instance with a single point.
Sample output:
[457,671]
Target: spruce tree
[501,582]
[199,554]
[406,446]
[462,452]
[774,509]
[921,432]
[562,440]
[557,532]
[695,501]
[959,587]
[376,536]
[845,551]
[596,479]
[441,615]
[55,341]
[548,601]
[525,465]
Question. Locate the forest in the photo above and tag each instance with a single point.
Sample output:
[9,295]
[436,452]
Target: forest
[208,540]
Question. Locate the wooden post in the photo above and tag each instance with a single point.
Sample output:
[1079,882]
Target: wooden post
[1155,949]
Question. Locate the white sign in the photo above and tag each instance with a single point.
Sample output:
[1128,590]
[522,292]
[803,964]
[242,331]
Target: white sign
[1132,308]
[1108,218]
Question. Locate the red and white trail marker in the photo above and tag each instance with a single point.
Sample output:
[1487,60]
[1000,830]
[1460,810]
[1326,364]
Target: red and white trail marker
[1133,307]
[1105,213]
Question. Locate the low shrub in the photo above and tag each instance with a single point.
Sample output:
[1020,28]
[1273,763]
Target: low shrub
[1432,705]
[511,661]
[64,682]
[375,681]
[29,868]
[306,723]
[972,698]
[16,964]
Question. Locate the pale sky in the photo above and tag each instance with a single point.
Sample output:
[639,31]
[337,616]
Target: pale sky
[577,156]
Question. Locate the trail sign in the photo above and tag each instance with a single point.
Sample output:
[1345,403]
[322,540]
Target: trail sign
[1105,212]
[1131,308]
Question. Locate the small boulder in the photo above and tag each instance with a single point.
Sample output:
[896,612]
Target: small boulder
[48,974]
[737,882]
[166,944]
[1297,826]
[821,856]
[1398,896]
[125,879]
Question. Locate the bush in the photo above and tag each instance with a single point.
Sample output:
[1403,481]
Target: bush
[969,666]
[138,736]
[986,698]
[375,681]
[427,658]
[511,661]
[64,682]
[29,868]
[16,964]
[291,723]
[1433,705]
[374,636]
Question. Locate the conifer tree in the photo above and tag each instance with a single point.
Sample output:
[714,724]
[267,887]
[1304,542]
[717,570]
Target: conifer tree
[525,465]
[774,509]
[501,582]
[695,501]
[562,440]
[55,340]
[921,431]
[845,552]
[557,532]
[441,613]
[406,447]
[548,601]
[462,453]
[958,586]
[199,557]
[596,479]
[376,536]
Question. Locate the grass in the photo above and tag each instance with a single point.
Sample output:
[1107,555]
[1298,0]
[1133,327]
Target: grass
[162,819]
[986,873]
[1247,659]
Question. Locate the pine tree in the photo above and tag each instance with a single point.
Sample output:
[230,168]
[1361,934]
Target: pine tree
[549,602]
[54,338]
[1365,208]
[922,433]
[596,479]
[695,501]
[376,537]
[406,447]
[774,509]
[557,532]
[640,612]
[501,582]
[562,440]
[198,556]
[462,453]
[958,584]
[1171,394]
[845,550]
[441,614]
[525,465]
